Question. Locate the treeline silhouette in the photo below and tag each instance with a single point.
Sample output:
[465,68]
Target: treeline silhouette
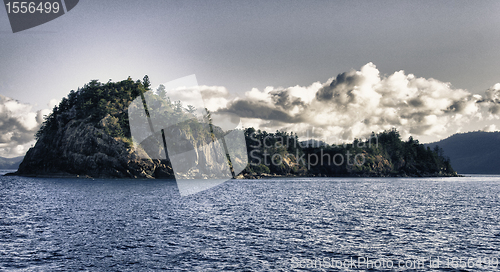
[382,154]
[280,153]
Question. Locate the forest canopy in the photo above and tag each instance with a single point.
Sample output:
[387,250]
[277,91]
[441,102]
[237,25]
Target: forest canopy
[383,154]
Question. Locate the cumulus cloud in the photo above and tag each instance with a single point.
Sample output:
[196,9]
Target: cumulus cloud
[492,101]
[355,103]
[490,128]
[352,104]
[214,97]
[18,125]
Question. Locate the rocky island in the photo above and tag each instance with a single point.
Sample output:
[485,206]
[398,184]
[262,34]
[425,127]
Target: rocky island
[88,135]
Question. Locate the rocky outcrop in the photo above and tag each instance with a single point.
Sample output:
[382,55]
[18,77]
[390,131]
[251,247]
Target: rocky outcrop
[89,135]
[83,149]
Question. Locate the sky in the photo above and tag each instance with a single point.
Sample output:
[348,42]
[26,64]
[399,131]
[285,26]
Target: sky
[339,69]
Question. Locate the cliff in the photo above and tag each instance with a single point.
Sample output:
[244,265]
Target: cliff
[87,135]
[381,155]
[82,149]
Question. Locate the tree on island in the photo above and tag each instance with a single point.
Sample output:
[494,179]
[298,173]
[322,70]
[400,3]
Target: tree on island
[105,107]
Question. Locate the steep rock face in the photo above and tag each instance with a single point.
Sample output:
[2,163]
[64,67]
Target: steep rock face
[82,149]
[373,165]
[89,134]
[196,155]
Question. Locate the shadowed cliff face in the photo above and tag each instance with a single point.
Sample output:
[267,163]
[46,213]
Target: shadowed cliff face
[89,135]
[201,157]
[83,149]
[86,149]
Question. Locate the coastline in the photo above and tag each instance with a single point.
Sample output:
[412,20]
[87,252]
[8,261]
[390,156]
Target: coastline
[247,176]
[264,175]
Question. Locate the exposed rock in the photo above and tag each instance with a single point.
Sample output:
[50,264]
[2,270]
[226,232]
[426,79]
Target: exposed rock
[88,135]
[84,150]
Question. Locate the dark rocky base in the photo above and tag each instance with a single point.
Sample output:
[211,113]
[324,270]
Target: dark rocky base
[403,175]
[166,173]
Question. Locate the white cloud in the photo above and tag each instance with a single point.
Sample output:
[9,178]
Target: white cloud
[18,125]
[352,104]
[214,98]
[490,128]
[355,103]
[492,101]
[53,102]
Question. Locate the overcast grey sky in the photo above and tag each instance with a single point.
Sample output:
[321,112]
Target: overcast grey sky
[250,44]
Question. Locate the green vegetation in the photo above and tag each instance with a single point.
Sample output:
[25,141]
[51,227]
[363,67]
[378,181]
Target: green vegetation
[275,153]
[92,103]
[383,154]
[97,102]
[105,106]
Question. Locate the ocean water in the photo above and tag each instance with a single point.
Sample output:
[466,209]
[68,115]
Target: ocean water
[300,224]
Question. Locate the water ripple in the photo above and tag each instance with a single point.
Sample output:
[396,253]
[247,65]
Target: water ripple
[245,225]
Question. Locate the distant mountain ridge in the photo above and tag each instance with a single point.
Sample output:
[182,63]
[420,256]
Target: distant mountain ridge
[475,152]
[10,163]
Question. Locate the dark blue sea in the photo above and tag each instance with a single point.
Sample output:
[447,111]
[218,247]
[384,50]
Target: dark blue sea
[299,224]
